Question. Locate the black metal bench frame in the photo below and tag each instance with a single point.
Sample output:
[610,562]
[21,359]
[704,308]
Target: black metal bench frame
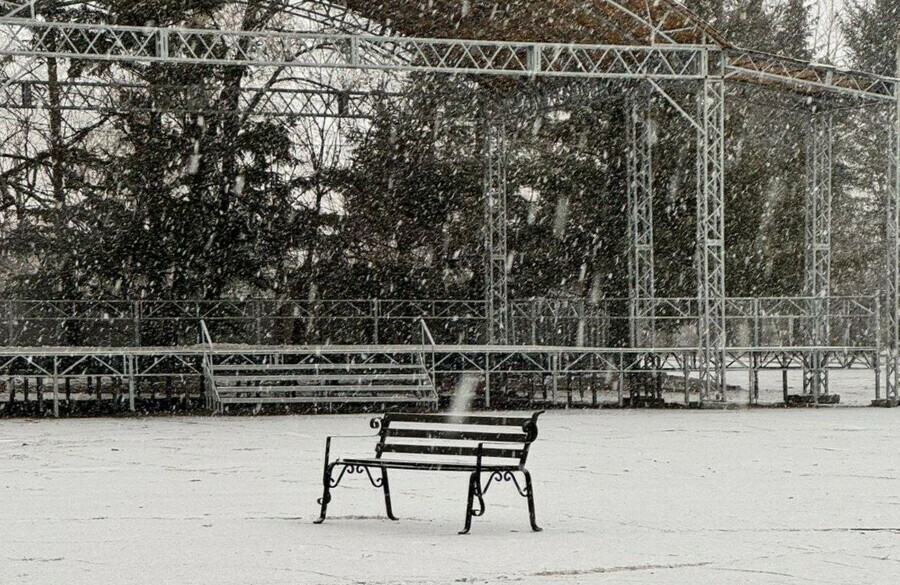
[503,446]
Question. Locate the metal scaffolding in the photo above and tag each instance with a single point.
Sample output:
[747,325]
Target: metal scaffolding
[892,241]
[641,288]
[711,227]
[28,37]
[496,253]
[27,43]
[819,166]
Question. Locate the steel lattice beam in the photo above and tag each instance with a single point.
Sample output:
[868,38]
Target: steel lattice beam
[328,50]
[776,71]
[711,227]
[496,255]
[641,288]
[818,243]
[892,237]
[29,37]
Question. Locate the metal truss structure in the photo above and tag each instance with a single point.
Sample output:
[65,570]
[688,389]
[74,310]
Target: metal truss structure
[111,43]
[496,253]
[711,224]
[640,138]
[125,367]
[892,240]
[659,47]
[31,38]
[134,373]
[769,335]
[818,243]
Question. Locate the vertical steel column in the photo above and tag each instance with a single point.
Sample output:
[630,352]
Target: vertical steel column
[818,246]
[892,236]
[641,288]
[711,226]
[496,270]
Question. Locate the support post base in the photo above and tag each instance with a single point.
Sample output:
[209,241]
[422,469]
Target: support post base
[643,402]
[886,403]
[810,400]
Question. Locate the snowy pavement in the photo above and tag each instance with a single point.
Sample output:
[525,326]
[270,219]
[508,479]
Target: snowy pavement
[674,497]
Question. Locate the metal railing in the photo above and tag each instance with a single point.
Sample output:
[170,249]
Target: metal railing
[758,322]
[428,341]
[211,392]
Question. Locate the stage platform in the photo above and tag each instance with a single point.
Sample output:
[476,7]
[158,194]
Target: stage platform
[53,376]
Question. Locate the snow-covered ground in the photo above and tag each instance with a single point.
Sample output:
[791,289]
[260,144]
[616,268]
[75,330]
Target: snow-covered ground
[748,496]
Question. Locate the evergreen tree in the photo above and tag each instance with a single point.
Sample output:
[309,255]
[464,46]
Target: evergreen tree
[792,31]
[872,30]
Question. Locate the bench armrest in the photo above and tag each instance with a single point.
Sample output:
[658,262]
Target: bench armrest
[330,437]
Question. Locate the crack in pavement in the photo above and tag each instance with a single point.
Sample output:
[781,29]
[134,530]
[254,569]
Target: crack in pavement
[621,569]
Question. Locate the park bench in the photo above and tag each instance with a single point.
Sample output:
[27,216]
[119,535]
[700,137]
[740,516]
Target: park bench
[473,444]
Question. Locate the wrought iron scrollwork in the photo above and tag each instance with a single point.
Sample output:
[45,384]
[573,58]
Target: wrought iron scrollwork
[375,481]
[335,481]
[353,470]
[505,476]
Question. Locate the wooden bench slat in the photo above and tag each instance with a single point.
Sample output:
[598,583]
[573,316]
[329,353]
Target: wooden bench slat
[455,419]
[458,451]
[455,435]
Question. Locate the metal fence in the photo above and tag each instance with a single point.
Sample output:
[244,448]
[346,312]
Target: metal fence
[750,322]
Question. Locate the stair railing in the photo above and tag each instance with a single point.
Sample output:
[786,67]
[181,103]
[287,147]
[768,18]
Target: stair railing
[428,341]
[209,383]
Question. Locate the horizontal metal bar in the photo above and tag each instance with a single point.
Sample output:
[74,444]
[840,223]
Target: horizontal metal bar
[418,449]
[456,419]
[456,435]
[794,74]
[325,389]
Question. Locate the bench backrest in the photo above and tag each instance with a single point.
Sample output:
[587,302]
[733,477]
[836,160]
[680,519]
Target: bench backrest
[506,439]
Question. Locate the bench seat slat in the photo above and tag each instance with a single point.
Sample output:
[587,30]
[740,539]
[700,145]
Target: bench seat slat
[455,419]
[458,451]
[427,465]
[479,436]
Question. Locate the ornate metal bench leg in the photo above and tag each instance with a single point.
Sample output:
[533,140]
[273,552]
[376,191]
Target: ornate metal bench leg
[529,490]
[326,494]
[470,502]
[387,494]
[475,491]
